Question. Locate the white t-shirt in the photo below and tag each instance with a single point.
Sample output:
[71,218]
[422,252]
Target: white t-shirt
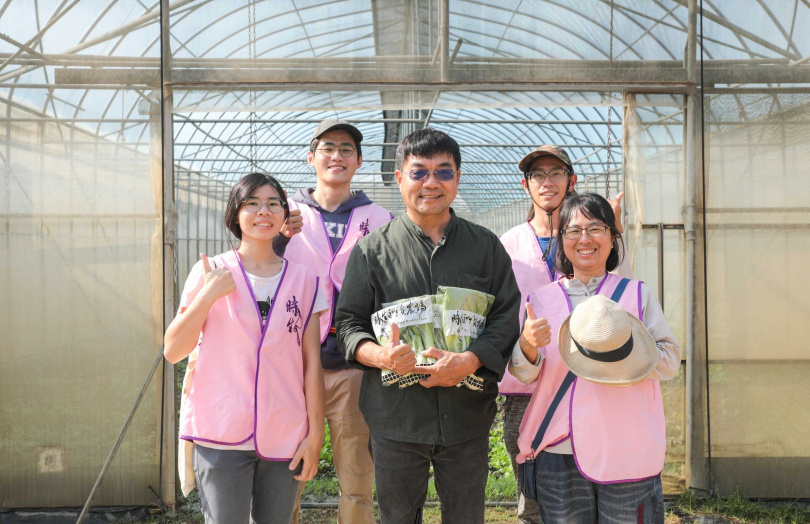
[264,289]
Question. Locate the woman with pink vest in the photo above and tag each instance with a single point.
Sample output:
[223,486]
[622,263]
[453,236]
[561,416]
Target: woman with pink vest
[548,178]
[253,398]
[593,440]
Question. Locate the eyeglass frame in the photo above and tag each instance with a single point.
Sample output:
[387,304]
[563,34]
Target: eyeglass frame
[263,203]
[604,229]
[434,173]
[547,175]
[322,150]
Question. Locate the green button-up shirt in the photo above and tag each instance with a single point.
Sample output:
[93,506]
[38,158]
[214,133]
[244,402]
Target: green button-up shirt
[398,261]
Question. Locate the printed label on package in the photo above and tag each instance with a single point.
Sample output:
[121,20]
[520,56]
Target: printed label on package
[410,313]
[463,323]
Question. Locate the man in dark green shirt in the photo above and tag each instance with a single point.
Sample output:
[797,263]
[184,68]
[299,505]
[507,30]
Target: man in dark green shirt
[434,422]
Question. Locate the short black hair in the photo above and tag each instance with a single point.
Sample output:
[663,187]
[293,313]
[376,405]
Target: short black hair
[243,189]
[595,207]
[313,145]
[427,143]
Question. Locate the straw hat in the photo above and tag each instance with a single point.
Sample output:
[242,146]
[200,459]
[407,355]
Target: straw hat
[603,343]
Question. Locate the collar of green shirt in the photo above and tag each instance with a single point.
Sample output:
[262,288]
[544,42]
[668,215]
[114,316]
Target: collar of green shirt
[411,226]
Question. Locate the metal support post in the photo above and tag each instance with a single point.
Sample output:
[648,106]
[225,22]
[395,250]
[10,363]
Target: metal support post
[661,264]
[695,467]
[444,39]
[690,60]
[169,422]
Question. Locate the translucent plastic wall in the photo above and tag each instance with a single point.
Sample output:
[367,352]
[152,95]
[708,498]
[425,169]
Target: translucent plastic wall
[758,236]
[81,313]
[81,280]
[653,180]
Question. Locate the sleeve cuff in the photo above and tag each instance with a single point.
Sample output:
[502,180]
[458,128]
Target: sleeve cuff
[350,347]
[521,368]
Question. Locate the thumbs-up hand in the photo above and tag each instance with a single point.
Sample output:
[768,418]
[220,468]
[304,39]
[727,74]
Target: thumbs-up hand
[293,225]
[217,281]
[397,357]
[536,331]
[616,206]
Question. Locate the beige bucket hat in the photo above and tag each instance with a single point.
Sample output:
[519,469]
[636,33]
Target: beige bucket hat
[603,343]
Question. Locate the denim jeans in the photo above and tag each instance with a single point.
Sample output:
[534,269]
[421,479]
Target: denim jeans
[402,470]
[237,487]
[566,497]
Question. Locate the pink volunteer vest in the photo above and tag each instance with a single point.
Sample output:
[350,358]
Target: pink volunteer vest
[248,381]
[531,273]
[311,248]
[617,433]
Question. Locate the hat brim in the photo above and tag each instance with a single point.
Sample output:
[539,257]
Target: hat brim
[527,160]
[356,134]
[631,370]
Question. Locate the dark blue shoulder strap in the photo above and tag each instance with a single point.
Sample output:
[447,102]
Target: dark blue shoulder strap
[619,291]
[541,431]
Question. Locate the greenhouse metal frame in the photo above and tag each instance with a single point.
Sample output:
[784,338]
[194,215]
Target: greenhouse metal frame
[127,122]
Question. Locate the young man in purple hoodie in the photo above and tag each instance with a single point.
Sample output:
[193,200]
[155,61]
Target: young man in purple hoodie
[325,224]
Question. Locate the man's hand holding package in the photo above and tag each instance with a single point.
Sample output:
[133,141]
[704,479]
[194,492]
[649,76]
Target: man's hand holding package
[394,356]
[449,368]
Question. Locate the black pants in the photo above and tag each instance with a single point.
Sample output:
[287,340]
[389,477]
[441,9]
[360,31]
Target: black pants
[402,470]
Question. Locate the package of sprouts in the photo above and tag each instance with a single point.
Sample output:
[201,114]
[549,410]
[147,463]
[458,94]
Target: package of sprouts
[449,320]
[414,317]
[462,314]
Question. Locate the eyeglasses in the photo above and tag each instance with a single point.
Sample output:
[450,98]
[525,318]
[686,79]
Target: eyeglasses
[555,175]
[442,175]
[345,151]
[254,205]
[573,233]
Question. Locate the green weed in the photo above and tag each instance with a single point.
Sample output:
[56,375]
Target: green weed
[738,506]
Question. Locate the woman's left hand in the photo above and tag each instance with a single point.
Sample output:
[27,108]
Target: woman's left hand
[310,452]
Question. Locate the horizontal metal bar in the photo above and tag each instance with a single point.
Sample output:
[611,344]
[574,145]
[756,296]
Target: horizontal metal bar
[81,215]
[405,121]
[311,174]
[30,85]
[127,144]
[758,210]
[260,120]
[365,160]
[740,89]
[399,74]
[639,73]
[655,226]
[396,60]
[651,88]
[382,144]
[75,120]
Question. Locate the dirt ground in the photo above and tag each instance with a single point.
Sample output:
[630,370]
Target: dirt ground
[506,515]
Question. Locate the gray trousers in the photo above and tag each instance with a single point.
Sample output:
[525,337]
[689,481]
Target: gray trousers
[237,487]
[402,470]
[513,410]
[566,497]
